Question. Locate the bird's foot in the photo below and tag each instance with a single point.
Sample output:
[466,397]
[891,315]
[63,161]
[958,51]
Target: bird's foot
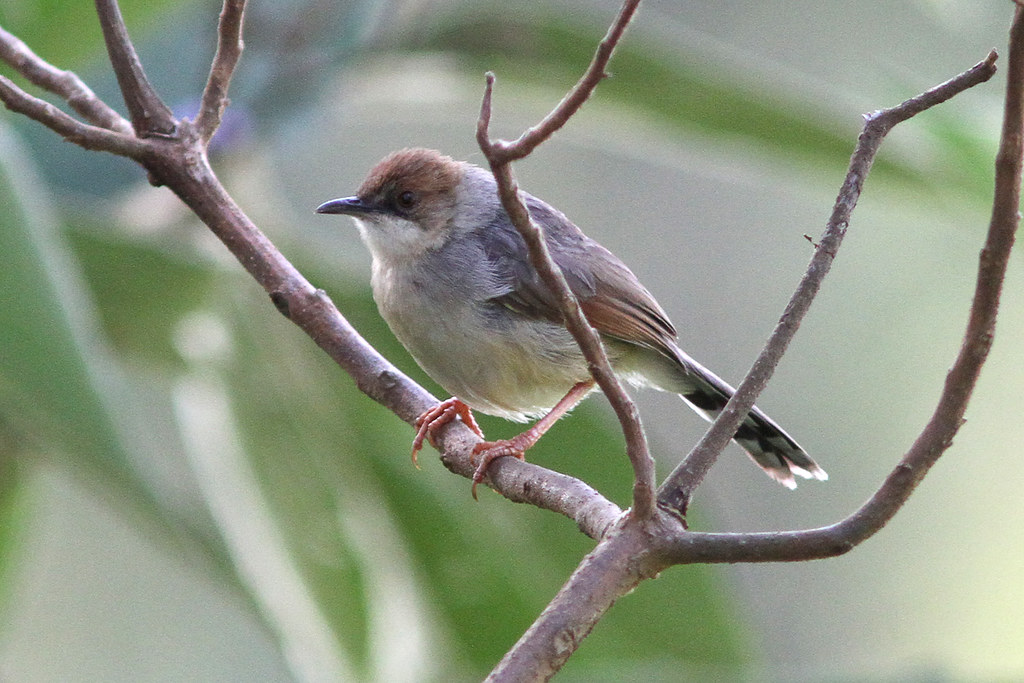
[492,450]
[438,416]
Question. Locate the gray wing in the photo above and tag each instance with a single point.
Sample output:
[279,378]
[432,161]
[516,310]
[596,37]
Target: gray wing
[611,296]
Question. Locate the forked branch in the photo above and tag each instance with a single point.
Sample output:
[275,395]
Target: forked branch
[635,549]
[65,84]
[503,152]
[632,547]
[679,487]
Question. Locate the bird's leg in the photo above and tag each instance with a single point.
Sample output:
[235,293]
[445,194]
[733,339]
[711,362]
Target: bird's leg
[438,416]
[517,445]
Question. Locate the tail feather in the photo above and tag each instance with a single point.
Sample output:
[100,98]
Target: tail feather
[767,444]
[775,451]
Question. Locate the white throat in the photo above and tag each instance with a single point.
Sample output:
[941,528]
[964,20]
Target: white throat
[393,240]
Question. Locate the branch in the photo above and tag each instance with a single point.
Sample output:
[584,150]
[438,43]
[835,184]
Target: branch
[499,155]
[72,130]
[65,84]
[937,435]
[150,116]
[637,549]
[678,488]
[504,152]
[229,50]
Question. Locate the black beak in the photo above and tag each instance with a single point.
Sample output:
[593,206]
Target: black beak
[351,206]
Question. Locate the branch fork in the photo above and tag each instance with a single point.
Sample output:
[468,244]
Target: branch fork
[633,545]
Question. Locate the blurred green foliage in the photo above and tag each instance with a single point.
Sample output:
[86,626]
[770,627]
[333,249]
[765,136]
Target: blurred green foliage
[97,315]
[683,90]
[94,309]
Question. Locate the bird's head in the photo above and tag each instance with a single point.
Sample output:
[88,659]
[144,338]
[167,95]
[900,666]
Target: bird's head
[407,203]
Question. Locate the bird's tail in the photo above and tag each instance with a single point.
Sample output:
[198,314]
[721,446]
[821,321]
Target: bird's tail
[767,444]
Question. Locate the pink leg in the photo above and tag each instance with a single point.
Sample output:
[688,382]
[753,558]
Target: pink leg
[438,416]
[517,445]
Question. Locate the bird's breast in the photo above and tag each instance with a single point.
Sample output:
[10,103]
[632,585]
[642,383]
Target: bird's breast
[494,359]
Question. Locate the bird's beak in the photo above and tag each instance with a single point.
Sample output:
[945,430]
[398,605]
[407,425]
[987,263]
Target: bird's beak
[351,206]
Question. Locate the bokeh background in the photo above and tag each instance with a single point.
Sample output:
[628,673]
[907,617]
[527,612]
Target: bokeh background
[190,490]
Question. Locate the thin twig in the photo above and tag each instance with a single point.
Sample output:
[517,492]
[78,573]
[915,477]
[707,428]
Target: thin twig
[678,488]
[65,84]
[229,50]
[71,129]
[505,152]
[149,114]
[499,154]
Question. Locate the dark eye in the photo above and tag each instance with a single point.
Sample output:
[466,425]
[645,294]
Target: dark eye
[406,199]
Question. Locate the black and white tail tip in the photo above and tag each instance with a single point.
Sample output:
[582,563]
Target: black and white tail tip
[775,451]
[767,444]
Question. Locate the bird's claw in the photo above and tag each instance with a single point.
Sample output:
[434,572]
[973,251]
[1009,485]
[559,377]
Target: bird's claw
[446,411]
[433,419]
[491,451]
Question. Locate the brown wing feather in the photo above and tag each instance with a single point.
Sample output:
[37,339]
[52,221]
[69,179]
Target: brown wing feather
[631,321]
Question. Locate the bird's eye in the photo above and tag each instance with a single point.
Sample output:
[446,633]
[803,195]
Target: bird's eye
[407,199]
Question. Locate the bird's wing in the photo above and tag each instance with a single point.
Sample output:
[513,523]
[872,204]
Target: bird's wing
[611,296]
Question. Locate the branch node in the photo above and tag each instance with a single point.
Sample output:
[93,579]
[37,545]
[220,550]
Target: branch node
[280,301]
[150,116]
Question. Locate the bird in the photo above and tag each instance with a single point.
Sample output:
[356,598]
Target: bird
[452,278]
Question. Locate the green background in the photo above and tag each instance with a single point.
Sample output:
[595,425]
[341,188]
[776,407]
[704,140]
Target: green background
[190,490]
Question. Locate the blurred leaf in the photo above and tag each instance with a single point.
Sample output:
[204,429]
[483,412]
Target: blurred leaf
[141,292]
[49,354]
[15,508]
[44,25]
[684,90]
[61,389]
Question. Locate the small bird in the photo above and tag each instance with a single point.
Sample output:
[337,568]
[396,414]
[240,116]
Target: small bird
[452,278]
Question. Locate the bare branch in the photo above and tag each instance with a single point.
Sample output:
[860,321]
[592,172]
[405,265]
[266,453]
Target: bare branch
[150,116]
[635,549]
[505,152]
[499,154]
[938,434]
[84,135]
[679,487]
[619,563]
[65,84]
[229,50]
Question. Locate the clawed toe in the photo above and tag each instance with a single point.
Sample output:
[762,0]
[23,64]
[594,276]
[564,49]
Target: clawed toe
[433,419]
[489,452]
[446,411]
